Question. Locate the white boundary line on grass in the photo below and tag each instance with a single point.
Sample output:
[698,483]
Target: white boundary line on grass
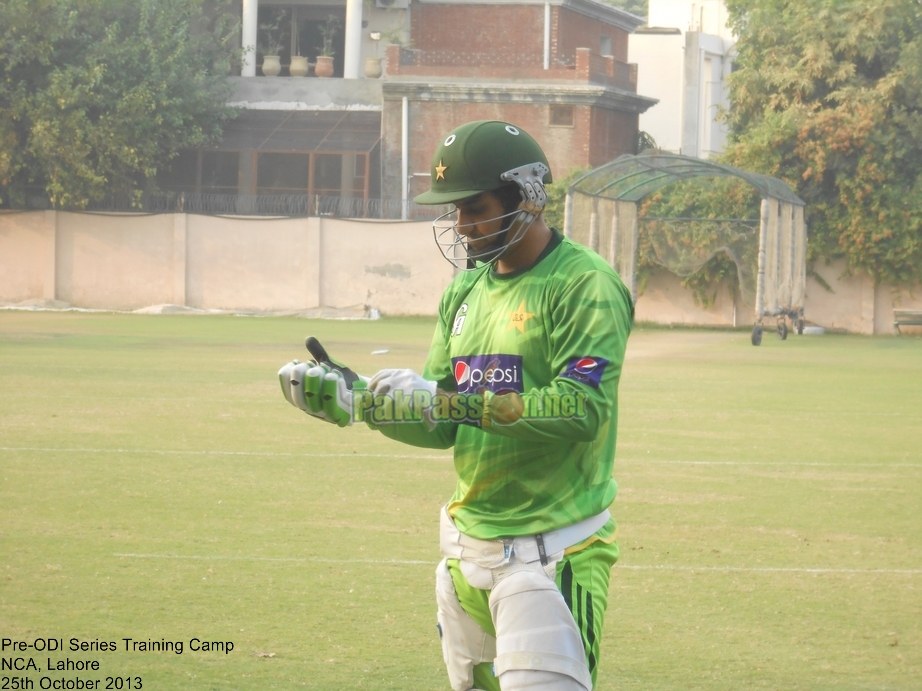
[184,452]
[762,569]
[285,454]
[772,463]
[633,567]
[313,560]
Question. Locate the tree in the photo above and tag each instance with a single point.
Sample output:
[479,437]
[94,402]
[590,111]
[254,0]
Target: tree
[827,95]
[97,95]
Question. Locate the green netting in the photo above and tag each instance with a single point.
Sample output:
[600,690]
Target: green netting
[661,243]
[769,252]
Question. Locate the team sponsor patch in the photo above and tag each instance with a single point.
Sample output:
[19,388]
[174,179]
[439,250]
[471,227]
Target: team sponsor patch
[496,373]
[587,370]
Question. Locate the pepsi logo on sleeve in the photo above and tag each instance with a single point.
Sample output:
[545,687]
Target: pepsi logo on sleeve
[586,369]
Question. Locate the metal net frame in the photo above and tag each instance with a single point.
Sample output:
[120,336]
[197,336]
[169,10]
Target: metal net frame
[602,212]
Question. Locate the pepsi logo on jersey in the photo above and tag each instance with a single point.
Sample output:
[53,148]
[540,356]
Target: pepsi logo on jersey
[586,369]
[497,373]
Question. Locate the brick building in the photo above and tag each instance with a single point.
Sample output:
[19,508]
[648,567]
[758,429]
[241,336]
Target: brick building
[557,68]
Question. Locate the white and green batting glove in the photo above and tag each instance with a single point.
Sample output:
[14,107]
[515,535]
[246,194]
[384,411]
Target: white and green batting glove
[320,391]
[298,387]
[338,398]
[408,390]
[408,382]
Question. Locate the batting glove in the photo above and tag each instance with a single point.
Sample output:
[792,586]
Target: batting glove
[320,391]
[416,391]
[387,381]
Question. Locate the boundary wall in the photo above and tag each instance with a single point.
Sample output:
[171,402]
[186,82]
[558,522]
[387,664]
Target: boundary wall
[128,262]
[132,261]
[854,304]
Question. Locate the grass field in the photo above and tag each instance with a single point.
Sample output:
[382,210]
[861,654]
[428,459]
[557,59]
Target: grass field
[154,485]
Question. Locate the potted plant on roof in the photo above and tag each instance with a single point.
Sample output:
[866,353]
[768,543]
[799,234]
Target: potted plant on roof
[272,44]
[373,68]
[395,36]
[328,30]
[299,66]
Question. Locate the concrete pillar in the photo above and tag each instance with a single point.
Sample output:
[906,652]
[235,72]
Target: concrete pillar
[594,226]
[868,299]
[347,176]
[691,94]
[628,234]
[568,215]
[250,21]
[353,33]
[313,248]
[49,280]
[405,158]
[614,246]
[246,180]
[179,258]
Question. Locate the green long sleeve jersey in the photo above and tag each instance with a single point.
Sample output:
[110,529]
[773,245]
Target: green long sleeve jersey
[541,350]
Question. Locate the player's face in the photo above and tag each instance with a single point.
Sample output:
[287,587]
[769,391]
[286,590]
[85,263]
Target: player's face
[482,216]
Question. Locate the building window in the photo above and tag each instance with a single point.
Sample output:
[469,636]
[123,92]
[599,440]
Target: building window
[220,171]
[296,30]
[328,174]
[181,175]
[282,173]
[561,116]
[605,45]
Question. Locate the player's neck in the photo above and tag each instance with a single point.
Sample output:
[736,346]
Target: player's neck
[526,251]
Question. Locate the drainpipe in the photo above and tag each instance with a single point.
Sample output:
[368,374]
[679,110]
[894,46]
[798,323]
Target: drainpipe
[248,43]
[405,158]
[353,58]
[547,35]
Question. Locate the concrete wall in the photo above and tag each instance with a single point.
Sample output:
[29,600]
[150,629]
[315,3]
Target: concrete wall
[127,262]
[664,301]
[687,74]
[854,304]
[660,60]
[27,256]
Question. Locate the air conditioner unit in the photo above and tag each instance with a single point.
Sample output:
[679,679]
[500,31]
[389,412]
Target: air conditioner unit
[393,4]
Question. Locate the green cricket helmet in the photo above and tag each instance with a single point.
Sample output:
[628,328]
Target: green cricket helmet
[484,156]
[481,156]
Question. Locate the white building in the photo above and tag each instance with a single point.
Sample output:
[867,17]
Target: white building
[684,56]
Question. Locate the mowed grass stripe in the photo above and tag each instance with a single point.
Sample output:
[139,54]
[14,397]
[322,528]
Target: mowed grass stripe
[283,454]
[417,562]
[191,452]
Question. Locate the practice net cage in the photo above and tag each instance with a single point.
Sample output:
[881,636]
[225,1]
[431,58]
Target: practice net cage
[769,251]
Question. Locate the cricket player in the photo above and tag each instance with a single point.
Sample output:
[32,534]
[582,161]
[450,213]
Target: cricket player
[522,382]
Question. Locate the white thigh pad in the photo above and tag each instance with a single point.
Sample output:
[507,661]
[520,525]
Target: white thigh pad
[464,643]
[536,636]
